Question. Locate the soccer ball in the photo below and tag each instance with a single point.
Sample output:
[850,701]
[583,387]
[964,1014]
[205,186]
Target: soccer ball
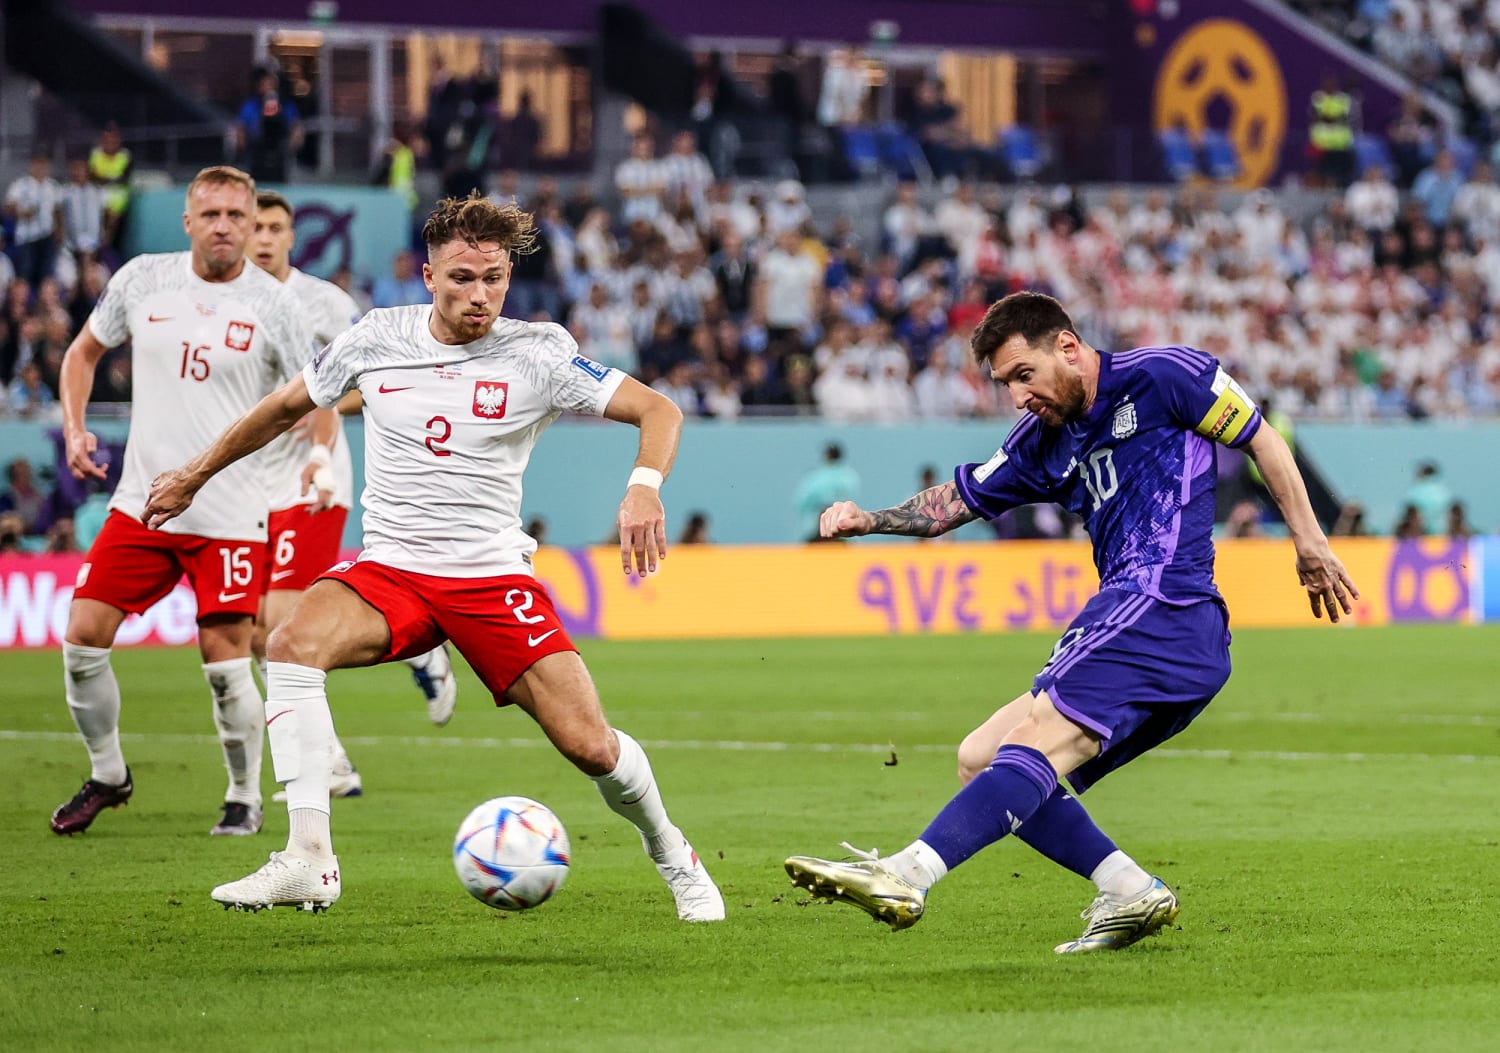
[511,853]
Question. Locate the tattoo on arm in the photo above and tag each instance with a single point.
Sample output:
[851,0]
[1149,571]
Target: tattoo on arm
[930,513]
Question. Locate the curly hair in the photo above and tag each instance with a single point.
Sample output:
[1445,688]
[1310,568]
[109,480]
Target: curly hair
[475,220]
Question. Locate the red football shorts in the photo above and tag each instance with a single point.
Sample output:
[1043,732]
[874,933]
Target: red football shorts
[302,544]
[500,625]
[130,568]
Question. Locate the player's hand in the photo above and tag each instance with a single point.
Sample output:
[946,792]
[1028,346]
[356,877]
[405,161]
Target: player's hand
[1328,585]
[81,447]
[643,529]
[171,493]
[845,519]
[318,476]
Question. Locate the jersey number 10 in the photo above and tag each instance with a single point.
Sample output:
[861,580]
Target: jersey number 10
[1099,476]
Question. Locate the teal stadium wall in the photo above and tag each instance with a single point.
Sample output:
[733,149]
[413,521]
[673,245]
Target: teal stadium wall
[745,475]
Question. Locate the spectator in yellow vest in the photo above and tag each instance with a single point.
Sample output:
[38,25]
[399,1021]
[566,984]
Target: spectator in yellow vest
[1334,117]
[110,166]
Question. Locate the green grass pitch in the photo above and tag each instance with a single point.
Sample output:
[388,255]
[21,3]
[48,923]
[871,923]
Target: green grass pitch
[1331,825]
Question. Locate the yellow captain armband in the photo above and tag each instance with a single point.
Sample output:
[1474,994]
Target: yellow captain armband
[1230,412]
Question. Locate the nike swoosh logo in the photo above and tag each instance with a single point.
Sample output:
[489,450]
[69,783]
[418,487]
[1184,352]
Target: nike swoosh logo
[230,597]
[278,575]
[534,640]
[159,318]
[277,717]
[386,391]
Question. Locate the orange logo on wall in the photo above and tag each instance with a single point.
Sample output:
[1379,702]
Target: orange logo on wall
[1225,62]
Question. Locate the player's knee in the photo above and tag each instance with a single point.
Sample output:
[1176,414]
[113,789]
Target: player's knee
[593,753]
[974,755]
[285,644]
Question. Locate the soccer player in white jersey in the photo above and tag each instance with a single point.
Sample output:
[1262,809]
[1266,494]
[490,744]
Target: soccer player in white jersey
[455,398]
[307,523]
[210,336]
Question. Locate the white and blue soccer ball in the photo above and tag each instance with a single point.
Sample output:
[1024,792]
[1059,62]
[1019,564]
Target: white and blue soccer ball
[511,853]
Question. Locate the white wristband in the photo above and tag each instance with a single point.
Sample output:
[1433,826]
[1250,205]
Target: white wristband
[320,455]
[323,480]
[646,477]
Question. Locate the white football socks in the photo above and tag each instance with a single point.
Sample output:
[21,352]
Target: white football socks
[240,718]
[94,700]
[630,790]
[1120,877]
[300,727]
[918,863]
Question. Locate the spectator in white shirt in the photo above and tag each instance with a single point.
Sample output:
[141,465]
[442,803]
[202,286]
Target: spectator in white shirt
[941,393]
[891,397]
[905,222]
[34,202]
[842,391]
[1477,205]
[603,332]
[841,101]
[788,210]
[790,287]
[687,171]
[677,385]
[640,181]
[721,397]
[1372,201]
[963,222]
[82,213]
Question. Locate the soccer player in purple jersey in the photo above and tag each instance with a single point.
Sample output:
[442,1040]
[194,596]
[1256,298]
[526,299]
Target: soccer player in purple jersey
[1128,442]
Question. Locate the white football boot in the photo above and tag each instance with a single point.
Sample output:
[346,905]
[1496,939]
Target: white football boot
[285,881]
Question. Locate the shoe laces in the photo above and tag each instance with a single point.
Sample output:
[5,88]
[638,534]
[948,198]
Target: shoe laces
[690,885]
[872,856]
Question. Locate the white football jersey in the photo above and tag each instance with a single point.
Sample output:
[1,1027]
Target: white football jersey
[328,310]
[202,355]
[448,432]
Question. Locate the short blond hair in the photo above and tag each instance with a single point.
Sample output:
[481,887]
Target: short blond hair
[222,175]
[475,219]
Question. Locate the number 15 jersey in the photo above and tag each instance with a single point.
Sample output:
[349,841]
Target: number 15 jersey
[202,355]
[449,430]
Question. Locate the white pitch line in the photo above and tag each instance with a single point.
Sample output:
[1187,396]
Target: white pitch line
[1436,719]
[738,746]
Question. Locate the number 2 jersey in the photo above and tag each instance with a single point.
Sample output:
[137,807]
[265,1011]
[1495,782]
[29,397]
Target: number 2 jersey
[202,355]
[449,430]
[1140,467]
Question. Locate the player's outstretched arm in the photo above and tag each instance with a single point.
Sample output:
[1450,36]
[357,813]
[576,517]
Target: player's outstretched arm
[1328,585]
[77,382]
[642,519]
[928,514]
[172,492]
[323,429]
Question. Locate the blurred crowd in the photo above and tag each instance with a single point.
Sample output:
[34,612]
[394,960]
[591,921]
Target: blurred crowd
[736,299]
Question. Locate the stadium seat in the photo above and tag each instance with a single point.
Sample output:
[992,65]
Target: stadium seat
[1019,148]
[1372,151]
[861,150]
[1220,158]
[901,154]
[1177,154]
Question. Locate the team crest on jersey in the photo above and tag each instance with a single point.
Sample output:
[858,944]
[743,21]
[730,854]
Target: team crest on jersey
[490,397]
[1124,422]
[239,335]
